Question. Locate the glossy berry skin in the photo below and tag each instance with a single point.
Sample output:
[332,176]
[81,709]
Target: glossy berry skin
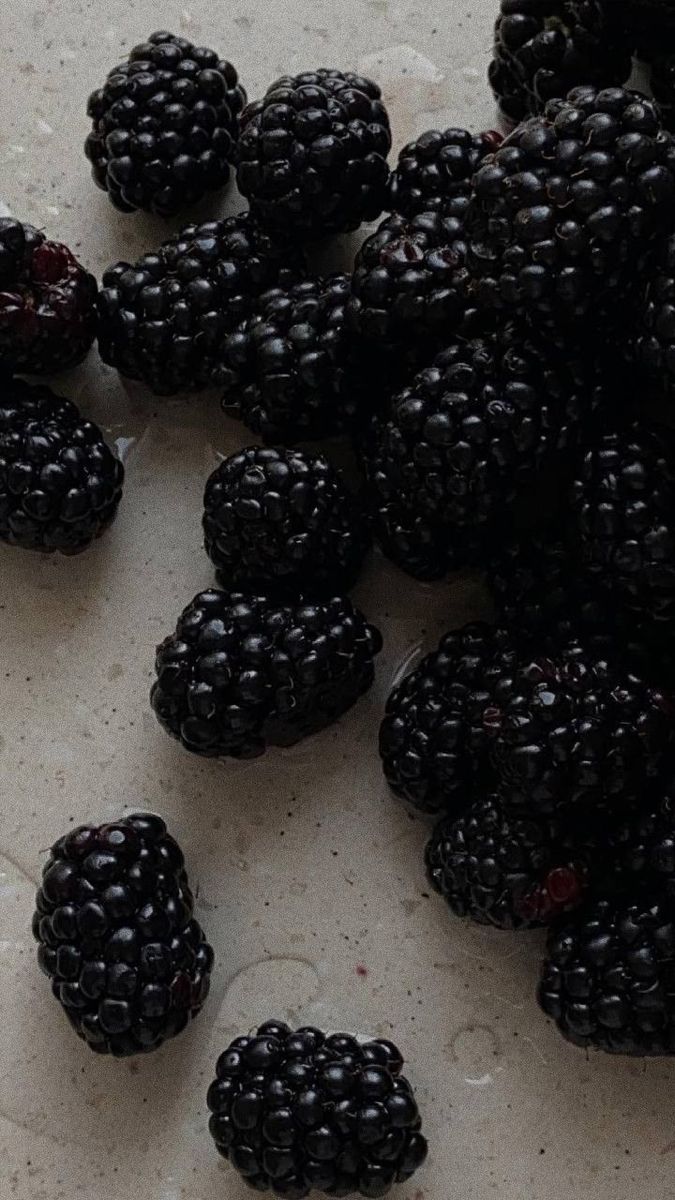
[283,522]
[243,672]
[60,484]
[501,868]
[573,731]
[47,302]
[434,172]
[164,320]
[117,938]
[164,126]
[312,154]
[622,507]
[607,979]
[563,213]
[298,1112]
[468,437]
[432,742]
[292,373]
[544,48]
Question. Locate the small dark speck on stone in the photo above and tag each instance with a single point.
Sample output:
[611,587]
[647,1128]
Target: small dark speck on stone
[542,1151]
[425,895]
[361,970]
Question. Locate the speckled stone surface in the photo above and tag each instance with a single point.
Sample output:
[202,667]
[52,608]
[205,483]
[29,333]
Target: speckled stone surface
[310,878]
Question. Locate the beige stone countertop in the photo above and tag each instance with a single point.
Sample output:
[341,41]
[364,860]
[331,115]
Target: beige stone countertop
[310,877]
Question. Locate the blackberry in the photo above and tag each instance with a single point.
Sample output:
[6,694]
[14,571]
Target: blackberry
[409,288]
[640,842]
[544,602]
[242,672]
[117,938]
[623,507]
[282,521]
[432,740]
[655,337]
[563,213]
[60,484]
[544,49]
[164,126]
[607,981]
[290,376]
[298,1111]
[164,320]
[575,731]
[312,154]
[47,302]
[501,868]
[468,437]
[434,172]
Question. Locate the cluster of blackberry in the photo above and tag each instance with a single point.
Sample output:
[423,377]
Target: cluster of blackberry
[497,357]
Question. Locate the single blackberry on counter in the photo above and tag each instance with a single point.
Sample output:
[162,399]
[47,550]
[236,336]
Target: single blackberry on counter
[469,436]
[243,672]
[607,981]
[501,868]
[164,126]
[312,154]
[409,287]
[432,742]
[544,48]
[60,484]
[117,937]
[299,1111]
[165,319]
[283,522]
[293,374]
[47,302]
[654,338]
[574,731]
[563,213]
[434,172]
[623,509]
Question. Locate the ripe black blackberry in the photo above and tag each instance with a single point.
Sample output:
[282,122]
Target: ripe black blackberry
[242,672]
[501,868]
[312,154]
[290,375]
[60,484]
[409,288]
[563,213]
[544,49]
[434,172]
[544,601]
[607,981]
[164,320]
[47,302]
[623,506]
[116,935]
[432,740]
[655,336]
[574,731]
[468,437]
[298,1111]
[164,126]
[282,522]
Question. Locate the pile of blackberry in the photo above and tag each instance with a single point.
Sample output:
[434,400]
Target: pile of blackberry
[501,356]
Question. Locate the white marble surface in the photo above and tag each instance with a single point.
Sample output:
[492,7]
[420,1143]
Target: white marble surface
[310,878]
